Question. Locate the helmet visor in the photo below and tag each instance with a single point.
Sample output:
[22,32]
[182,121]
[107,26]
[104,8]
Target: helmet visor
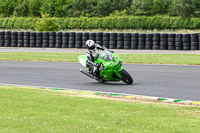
[92,47]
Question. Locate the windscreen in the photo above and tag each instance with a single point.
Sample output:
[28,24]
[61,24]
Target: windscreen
[105,55]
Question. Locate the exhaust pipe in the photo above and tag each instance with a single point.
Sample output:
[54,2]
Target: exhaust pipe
[88,74]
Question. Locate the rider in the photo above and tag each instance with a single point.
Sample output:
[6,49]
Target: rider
[93,53]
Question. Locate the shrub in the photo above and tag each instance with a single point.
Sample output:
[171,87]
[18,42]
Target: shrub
[47,24]
[118,22]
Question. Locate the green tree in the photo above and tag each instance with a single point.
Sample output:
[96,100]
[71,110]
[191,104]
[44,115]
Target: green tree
[120,5]
[185,8]
[91,8]
[21,9]
[62,7]
[7,7]
[34,8]
[160,7]
[48,7]
[104,8]
[141,7]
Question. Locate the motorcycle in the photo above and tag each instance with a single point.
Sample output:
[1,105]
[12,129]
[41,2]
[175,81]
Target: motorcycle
[110,68]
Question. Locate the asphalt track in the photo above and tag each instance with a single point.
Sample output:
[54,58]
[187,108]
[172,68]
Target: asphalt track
[171,81]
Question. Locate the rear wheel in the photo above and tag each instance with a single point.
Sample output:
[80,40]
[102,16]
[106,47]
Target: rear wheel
[126,77]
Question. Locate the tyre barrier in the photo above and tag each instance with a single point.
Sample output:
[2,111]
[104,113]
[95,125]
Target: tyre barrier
[134,41]
[156,41]
[127,40]
[65,40]
[58,43]
[85,37]
[106,38]
[149,41]
[27,39]
[2,40]
[39,39]
[78,40]
[45,41]
[99,38]
[112,40]
[52,39]
[72,40]
[178,42]
[186,41]
[14,39]
[171,42]
[142,41]
[120,41]
[7,39]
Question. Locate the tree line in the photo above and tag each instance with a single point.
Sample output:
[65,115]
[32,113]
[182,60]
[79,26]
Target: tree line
[99,8]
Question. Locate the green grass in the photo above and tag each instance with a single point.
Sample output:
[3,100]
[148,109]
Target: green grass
[184,59]
[39,110]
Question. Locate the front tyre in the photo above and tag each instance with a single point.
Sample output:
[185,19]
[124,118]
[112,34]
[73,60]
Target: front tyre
[126,77]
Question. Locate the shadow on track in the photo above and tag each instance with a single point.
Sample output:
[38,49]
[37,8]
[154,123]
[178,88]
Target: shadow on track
[111,83]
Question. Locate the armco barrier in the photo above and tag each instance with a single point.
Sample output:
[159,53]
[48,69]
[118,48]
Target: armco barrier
[142,41]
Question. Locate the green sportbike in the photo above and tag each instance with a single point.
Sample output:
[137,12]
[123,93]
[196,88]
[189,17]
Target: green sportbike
[110,68]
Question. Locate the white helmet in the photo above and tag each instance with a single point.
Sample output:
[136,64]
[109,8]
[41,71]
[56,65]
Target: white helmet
[90,44]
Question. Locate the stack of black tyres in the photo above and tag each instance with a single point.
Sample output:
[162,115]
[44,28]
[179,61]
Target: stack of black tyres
[178,42]
[120,40]
[92,36]
[113,41]
[134,41]
[45,43]
[2,41]
[156,41]
[39,39]
[71,39]
[78,40]
[141,41]
[163,41]
[14,39]
[32,39]
[85,37]
[20,39]
[65,39]
[106,38]
[171,41]
[52,39]
[149,41]
[194,41]
[199,40]
[27,39]
[7,39]
[186,41]
[58,43]
[127,40]
[99,38]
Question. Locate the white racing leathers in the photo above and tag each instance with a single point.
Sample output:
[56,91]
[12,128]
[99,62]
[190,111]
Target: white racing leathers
[91,55]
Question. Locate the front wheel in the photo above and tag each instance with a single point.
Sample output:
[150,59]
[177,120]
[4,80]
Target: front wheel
[126,77]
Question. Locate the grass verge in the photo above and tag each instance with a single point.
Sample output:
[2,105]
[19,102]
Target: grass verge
[38,110]
[182,59]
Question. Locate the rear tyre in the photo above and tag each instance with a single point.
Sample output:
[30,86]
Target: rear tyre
[126,77]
